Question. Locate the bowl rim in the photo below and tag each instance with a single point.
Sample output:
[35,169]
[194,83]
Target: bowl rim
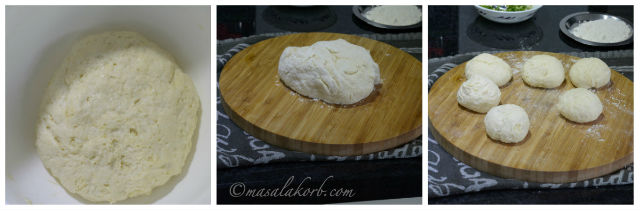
[533,9]
[566,31]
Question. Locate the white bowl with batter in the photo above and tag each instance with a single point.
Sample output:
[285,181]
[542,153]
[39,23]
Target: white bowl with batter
[39,37]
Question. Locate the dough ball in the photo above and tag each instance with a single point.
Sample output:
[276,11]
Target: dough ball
[479,94]
[590,73]
[580,105]
[489,66]
[336,72]
[117,119]
[507,123]
[543,71]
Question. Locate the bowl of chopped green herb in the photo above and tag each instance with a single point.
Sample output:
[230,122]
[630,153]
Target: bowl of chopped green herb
[507,13]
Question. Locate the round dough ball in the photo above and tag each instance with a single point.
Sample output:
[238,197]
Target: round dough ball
[507,123]
[336,72]
[590,73]
[490,66]
[479,94]
[118,118]
[543,71]
[580,105]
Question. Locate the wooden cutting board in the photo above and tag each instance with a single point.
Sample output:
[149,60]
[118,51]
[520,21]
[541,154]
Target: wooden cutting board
[555,149]
[256,100]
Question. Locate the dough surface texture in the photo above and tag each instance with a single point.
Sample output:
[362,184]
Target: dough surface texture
[479,94]
[335,72]
[590,73]
[117,119]
[489,66]
[508,123]
[543,71]
[580,105]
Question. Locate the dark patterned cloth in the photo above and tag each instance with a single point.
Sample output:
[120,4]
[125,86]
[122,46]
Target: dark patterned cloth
[449,176]
[235,147]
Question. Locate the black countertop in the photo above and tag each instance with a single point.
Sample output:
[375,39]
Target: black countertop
[242,21]
[619,194]
[460,29]
[367,180]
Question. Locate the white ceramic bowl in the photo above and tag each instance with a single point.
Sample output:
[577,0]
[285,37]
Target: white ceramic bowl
[38,38]
[507,17]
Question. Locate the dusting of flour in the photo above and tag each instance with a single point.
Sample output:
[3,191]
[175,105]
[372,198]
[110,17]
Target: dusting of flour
[594,132]
[395,15]
[603,31]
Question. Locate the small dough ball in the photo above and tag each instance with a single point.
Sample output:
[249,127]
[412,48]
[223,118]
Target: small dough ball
[479,94]
[590,73]
[507,123]
[580,105]
[336,72]
[543,71]
[490,66]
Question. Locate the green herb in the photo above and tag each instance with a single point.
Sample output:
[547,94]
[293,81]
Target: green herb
[488,7]
[508,8]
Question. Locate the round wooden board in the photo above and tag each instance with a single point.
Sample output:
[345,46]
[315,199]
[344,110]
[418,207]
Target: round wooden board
[555,150]
[256,100]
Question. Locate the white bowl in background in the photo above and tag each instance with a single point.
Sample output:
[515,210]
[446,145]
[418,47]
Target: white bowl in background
[507,17]
[38,38]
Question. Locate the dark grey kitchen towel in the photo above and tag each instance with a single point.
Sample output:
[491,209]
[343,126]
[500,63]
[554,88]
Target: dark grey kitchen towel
[449,176]
[235,147]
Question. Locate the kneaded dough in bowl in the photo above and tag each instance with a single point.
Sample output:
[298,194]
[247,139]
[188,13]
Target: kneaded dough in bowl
[590,73]
[117,119]
[489,66]
[335,72]
[543,71]
[580,105]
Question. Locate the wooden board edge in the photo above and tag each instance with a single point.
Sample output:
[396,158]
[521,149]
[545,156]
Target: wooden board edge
[408,55]
[528,175]
[318,148]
